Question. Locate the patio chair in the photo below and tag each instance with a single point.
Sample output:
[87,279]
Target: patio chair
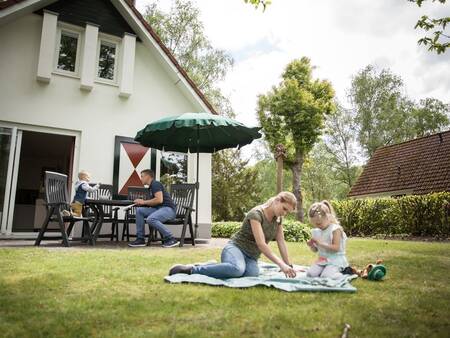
[105,191]
[58,209]
[183,196]
[130,212]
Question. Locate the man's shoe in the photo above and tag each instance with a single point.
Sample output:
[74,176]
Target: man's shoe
[137,243]
[170,243]
[179,268]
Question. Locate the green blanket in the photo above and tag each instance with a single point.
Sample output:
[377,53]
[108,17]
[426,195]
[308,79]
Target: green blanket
[271,276]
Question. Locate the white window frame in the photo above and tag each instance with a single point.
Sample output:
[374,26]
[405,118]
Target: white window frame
[110,41]
[71,31]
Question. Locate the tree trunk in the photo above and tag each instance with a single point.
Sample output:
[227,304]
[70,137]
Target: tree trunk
[279,174]
[296,184]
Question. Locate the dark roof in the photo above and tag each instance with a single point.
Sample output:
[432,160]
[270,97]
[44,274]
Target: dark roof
[421,165]
[8,3]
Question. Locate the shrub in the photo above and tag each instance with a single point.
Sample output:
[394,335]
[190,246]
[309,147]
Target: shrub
[224,229]
[418,215]
[294,231]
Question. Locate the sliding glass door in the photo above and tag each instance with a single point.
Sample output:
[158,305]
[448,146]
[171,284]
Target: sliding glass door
[9,152]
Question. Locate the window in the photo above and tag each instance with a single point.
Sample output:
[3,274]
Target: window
[173,168]
[68,51]
[107,61]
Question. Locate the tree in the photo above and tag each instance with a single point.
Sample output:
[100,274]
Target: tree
[292,114]
[430,116]
[230,202]
[438,41]
[257,3]
[385,115]
[182,32]
[339,139]
[320,178]
[381,108]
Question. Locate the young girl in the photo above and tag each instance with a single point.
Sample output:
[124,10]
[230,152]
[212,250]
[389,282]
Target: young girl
[328,240]
[240,256]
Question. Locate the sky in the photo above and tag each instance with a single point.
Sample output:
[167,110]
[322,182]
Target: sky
[340,38]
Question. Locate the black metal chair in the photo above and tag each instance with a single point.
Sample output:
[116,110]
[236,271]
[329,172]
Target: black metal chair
[183,196]
[105,191]
[130,212]
[58,209]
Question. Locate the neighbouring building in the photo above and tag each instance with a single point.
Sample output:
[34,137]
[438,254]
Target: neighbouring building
[78,79]
[415,167]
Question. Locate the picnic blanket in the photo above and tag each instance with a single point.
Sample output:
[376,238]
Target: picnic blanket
[271,276]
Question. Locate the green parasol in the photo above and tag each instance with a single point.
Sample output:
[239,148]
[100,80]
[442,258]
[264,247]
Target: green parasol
[196,133]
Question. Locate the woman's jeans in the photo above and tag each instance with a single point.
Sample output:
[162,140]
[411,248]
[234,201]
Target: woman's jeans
[235,263]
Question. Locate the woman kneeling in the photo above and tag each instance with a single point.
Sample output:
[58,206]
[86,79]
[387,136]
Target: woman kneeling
[240,256]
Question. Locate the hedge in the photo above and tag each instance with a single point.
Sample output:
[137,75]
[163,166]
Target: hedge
[418,215]
[293,231]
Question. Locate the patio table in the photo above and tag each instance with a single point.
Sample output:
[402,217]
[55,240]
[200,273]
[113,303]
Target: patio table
[97,207]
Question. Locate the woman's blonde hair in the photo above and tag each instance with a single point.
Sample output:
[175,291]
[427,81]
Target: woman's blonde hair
[284,197]
[321,209]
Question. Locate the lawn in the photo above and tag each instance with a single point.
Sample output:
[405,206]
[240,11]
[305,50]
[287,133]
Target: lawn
[121,293]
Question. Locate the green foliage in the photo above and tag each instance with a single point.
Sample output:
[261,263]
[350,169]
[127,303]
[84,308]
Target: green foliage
[385,115]
[225,229]
[257,3]
[430,116]
[438,41]
[419,215]
[234,188]
[293,113]
[321,178]
[294,231]
[340,143]
[183,33]
[380,107]
[267,172]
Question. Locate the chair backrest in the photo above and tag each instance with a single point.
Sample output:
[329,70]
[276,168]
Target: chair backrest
[105,192]
[183,196]
[56,189]
[135,193]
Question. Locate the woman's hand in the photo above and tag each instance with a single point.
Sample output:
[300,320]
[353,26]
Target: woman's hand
[288,271]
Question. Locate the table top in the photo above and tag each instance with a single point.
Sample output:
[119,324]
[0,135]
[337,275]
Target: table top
[120,203]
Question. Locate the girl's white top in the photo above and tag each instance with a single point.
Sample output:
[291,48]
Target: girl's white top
[326,236]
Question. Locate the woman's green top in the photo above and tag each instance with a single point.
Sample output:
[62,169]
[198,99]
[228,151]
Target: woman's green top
[244,238]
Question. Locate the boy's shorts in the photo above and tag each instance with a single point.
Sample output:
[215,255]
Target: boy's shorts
[77,208]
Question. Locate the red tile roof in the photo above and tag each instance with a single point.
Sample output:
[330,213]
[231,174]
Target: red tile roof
[421,165]
[8,3]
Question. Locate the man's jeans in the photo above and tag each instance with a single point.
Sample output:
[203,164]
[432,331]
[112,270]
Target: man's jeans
[155,217]
[235,263]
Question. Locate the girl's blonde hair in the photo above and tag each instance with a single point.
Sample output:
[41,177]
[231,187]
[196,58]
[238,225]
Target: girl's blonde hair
[321,209]
[284,197]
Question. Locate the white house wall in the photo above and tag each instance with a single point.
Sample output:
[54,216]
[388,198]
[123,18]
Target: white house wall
[98,115]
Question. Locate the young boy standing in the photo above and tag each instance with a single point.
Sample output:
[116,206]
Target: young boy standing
[82,187]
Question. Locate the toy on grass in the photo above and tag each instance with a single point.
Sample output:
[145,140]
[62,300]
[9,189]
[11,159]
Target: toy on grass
[374,272]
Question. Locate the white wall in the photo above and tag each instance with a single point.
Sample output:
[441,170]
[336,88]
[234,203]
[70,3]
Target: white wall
[98,115]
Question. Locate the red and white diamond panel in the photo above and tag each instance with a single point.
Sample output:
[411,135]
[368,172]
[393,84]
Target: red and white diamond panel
[133,159]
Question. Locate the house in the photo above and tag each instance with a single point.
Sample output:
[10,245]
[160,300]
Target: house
[78,79]
[415,167]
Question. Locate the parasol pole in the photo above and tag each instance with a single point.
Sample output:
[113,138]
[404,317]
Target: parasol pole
[197,185]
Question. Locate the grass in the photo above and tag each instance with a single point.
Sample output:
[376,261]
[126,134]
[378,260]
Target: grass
[121,293]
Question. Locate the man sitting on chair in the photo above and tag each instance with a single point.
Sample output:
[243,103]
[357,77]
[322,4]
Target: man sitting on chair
[155,211]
